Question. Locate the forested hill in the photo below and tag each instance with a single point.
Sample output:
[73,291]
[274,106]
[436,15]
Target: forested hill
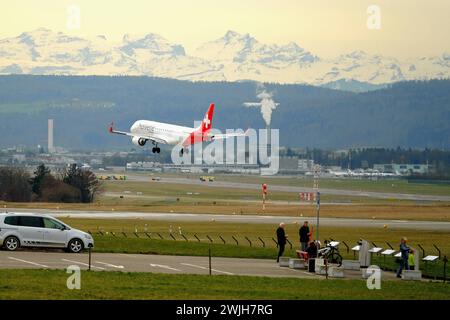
[407,114]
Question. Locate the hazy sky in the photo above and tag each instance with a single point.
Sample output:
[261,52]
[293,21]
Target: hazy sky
[325,27]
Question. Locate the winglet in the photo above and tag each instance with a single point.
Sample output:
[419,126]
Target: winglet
[111,126]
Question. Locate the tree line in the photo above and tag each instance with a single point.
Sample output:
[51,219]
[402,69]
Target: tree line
[70,185]
[408,114]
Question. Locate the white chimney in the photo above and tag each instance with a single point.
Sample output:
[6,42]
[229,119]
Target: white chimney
[51,148]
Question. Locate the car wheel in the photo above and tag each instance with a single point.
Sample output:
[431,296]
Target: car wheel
[75,246]
[11,243]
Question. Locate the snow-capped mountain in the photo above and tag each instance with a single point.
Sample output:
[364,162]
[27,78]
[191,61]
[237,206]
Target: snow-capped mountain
[232,57]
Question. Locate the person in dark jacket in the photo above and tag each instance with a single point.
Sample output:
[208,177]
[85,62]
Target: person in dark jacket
[281,239]
[304,236]
[404,250]
[312,250]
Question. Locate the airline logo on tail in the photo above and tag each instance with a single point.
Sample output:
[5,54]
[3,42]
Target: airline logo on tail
[207,121]
[202,132]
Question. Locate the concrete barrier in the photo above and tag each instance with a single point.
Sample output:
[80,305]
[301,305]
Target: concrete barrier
[411,275]
[351,264]
[284,262]
[297,263]
[321,269]
[336,272]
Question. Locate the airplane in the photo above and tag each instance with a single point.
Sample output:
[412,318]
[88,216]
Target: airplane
[165,133]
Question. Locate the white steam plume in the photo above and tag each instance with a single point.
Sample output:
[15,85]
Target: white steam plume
[266,103]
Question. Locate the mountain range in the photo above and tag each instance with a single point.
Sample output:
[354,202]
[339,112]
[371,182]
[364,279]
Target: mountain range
[233,57]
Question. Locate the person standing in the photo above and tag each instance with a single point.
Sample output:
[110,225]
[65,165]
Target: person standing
[281,238]
[304,236]
[411,259]
[404,250]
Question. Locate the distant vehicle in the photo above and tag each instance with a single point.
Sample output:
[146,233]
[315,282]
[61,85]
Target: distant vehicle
[207,178]
[114,177]
[164,133]
[156,178]
[38,230]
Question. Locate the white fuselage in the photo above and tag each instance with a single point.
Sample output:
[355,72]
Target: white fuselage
[159,131]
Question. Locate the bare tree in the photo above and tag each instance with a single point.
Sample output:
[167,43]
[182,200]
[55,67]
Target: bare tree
[83,180]
[14,185]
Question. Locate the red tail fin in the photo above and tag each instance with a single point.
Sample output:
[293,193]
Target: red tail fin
[207,121]
[201,133]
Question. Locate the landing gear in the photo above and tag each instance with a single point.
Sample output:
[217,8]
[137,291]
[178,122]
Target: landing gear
[156,149]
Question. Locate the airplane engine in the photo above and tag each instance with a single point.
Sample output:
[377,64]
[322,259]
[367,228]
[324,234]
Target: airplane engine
[139,141]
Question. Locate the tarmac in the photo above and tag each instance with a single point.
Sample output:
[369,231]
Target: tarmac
[56,259]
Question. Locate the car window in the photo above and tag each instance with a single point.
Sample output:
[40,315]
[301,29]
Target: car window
[13,221]
[52,224]
[25,221]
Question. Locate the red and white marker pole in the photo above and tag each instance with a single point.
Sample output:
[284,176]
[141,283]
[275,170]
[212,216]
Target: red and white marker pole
[264,195]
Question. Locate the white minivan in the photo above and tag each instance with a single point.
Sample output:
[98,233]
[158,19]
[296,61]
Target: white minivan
[39,230]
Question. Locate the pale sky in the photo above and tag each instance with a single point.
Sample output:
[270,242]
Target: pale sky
[409,28]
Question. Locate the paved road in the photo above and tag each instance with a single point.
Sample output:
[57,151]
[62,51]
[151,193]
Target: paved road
[156,264]
[351,193]
[195,217]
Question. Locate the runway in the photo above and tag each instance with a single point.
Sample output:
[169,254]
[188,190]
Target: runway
[194,217]
[253,186]
[157,264]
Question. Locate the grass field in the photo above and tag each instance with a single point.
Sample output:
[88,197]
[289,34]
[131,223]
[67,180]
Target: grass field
[265,231]
[165,197]
[357,184]
[51,284]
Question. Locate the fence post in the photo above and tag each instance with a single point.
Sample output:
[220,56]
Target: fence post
[437,250]
[90,251]
[160,236]
[222,239]
[237,242]
[210,240]
[289,243]
[248,241]
[196,237]
[348,248]
[276,243]
[423,250]
[148,235]
[263,243]
[184,237]
[445,268]
[171,235]
[209,254]
[392,248]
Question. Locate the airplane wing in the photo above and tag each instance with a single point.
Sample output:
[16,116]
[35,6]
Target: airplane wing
[228,135]
[157,140]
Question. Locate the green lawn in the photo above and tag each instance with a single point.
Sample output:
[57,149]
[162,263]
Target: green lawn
[381,185]
[253,232]
[51,284]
